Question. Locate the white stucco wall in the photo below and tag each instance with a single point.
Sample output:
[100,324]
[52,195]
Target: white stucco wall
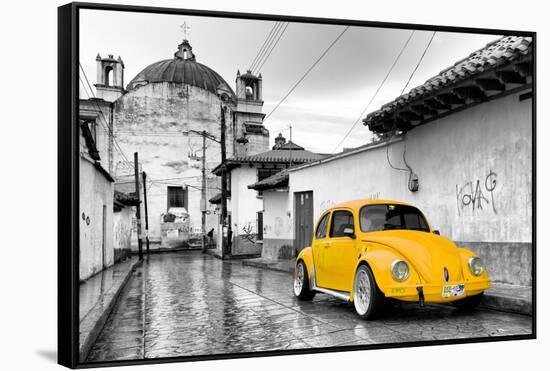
[95,192]
[244,202]
[277,217]
[490,143]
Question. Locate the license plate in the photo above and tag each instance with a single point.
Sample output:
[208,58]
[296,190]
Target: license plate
[453,290]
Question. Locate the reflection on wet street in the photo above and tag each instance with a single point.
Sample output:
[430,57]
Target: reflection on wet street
[181,304]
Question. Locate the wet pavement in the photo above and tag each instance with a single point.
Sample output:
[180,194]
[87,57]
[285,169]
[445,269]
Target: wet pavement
[187,303]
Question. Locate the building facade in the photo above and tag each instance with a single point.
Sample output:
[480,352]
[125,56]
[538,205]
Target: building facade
[96,192]
[458,147]
[160,114]
[245,204]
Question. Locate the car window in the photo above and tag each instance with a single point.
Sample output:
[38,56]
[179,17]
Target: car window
[388,216]
[322,227]
[340,221]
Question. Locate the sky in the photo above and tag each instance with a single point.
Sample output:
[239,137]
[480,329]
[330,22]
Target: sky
[325,105]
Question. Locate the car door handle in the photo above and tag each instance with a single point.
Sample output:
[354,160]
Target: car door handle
[327,246]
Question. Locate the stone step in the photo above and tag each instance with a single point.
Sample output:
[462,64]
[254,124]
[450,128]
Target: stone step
[509,298]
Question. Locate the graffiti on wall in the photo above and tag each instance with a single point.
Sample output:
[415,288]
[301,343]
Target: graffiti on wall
[477,195]
[249,234]
[325,205]
[373,196]
[280,226]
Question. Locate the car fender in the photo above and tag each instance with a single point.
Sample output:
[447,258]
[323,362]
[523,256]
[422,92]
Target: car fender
[465,255]
[306,255]
[379,259]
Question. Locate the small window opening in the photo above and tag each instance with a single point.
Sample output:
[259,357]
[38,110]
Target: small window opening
[108,75]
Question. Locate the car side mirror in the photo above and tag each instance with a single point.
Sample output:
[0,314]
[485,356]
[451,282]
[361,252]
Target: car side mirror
[348,232]
[436,232]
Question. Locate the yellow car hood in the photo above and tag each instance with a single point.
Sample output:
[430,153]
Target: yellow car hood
[426,252]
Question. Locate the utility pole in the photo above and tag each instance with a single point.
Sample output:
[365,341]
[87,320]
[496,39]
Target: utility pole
[203,191]
[138,207]
[290,152]
[144,175]
[224,188]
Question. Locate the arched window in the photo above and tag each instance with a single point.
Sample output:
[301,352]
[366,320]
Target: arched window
[249,91]
[108,74]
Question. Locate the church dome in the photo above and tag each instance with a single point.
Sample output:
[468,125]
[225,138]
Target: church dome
[181,69]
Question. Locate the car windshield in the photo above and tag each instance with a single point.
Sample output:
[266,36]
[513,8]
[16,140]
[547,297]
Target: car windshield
[389,216]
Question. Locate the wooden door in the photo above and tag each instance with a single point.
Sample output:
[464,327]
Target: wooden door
[303,221]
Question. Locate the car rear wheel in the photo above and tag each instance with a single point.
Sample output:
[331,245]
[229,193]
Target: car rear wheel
[468,304]
[301,282]
[369,302]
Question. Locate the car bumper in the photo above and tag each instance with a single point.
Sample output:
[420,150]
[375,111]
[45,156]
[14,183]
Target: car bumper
[433,293]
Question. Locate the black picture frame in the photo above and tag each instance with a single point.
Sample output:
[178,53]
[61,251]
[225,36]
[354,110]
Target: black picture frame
[68,179]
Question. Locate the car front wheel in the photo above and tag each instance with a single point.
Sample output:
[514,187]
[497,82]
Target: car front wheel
[301,283]
[369,302]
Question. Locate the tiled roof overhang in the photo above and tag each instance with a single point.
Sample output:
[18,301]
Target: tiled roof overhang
[270,157]
[279,180]
[217,199]
[502,67]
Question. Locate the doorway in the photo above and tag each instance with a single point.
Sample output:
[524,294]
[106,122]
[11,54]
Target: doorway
[303,221]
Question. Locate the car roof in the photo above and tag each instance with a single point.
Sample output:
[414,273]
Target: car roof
[355,204]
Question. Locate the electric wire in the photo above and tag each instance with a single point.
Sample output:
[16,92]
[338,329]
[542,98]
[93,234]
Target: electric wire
[108,130]
[260,53]
[272,48]
[376,91]
[307,72]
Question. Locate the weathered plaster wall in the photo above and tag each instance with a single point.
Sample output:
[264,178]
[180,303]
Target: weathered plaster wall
[474,169]
[122,231]
[95,192]
[151,120]
[278,234]
[244,206]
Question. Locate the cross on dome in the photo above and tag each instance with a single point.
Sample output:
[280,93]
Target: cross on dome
[185,29]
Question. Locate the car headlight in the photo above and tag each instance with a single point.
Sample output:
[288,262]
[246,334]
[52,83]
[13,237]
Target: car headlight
[400,270]
[476,265]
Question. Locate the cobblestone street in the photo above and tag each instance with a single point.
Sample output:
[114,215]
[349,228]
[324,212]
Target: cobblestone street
[181,304]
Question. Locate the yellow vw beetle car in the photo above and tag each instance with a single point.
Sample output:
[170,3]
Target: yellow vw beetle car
[367,251]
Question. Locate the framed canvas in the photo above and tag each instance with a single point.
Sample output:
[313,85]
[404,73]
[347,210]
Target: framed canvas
[245,185]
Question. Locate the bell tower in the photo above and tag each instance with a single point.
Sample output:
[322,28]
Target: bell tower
[251,135]
[110,78]
[249,87]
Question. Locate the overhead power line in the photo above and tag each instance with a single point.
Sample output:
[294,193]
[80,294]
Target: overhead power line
[307,72]
[266,49]
[376,92]
[259,68]
[418,64]
[276,26]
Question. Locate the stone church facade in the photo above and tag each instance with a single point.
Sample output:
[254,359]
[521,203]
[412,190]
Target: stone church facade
[158,114]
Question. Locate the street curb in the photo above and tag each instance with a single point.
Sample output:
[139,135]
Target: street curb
[270,266]
[96,321]
[214,253]
[507,304]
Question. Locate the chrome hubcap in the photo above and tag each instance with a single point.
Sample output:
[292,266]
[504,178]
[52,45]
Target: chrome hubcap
[299,279]
[362,292]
